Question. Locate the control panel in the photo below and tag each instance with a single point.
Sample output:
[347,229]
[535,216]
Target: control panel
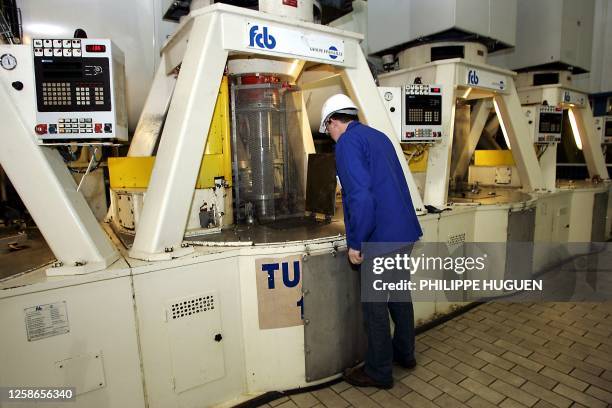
[80,90]
[603,128]
[545,123]
[422,114]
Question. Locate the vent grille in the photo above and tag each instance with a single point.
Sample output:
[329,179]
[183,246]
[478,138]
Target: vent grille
[192,306]
[457,239]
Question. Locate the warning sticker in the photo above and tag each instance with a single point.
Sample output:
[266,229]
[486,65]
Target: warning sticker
[46,320]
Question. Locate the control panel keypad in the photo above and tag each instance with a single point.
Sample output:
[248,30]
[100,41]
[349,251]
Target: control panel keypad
[56,93]
[74,90]
[422,113]
[83,96]
[57,48]
[73,125]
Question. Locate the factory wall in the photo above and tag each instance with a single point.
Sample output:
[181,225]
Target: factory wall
[136,26]
[600,78]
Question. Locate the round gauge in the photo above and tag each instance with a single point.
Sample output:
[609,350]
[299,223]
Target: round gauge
[388,96]
[8,61]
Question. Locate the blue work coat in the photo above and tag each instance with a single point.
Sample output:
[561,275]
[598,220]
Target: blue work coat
[375,195]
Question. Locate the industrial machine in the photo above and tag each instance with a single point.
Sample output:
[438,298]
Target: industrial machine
[545,123]
[603,129]
[207,265]
[554,88]
[546,77]
[207,285]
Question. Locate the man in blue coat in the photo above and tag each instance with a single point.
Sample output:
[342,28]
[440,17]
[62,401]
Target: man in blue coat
[377,208]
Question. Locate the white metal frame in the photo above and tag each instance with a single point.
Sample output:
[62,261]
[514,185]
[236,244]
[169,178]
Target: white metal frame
[453,75]
[201,46]
[577,101]
[49,192]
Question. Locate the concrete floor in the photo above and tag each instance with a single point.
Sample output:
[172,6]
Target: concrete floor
[498,354]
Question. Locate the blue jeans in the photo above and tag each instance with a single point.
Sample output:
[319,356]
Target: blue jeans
[382,348]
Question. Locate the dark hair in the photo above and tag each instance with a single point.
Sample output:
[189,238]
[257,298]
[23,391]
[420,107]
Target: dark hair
[343,117]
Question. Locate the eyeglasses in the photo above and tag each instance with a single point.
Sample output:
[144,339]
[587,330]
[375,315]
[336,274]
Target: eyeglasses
[327,123]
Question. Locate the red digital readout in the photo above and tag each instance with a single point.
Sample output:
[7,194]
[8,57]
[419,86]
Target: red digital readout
[435,90]
[95,48]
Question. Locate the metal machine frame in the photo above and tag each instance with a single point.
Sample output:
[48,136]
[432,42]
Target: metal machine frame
[63,216]
[577,102]
[201,47]
[469,80]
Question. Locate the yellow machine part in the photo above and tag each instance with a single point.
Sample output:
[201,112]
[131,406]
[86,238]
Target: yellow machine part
[135,172]
[491,158]
[418,162]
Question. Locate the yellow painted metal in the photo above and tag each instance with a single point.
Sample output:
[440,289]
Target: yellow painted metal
[130,172]
[135,172]
[217,160]
[418,163]
[489,158]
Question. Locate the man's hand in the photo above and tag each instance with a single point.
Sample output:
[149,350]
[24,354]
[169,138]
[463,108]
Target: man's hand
[355,256]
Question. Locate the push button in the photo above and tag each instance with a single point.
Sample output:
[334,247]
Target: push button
[41,129]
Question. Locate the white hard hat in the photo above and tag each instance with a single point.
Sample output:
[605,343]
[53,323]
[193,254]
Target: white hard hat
[338,103]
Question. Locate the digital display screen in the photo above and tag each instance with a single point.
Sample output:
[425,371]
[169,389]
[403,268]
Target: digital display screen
[95,48]
[69,84]
[423,110]
[608,128]
[53,69]
[550,122]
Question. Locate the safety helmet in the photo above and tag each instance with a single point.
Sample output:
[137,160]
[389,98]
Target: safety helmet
[339,103]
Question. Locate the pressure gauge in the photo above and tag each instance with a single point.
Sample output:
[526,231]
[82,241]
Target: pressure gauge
[388,96]
[8,61]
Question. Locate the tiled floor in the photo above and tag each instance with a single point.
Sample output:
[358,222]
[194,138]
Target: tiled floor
[498,354]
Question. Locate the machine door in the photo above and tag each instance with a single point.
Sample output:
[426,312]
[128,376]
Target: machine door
[519,254]
[600,210]
[334,335]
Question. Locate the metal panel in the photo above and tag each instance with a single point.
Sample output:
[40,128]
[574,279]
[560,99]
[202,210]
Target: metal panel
[194,337]
[321,184]
[600,210]
[551,32]
[334,335]
[521,230]
[392,23]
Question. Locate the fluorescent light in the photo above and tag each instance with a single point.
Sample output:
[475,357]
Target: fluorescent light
[575,130]
[467,93]
[501,123]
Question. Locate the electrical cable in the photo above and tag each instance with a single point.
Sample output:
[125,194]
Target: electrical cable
[71,156]
[93,158]
[542,150]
